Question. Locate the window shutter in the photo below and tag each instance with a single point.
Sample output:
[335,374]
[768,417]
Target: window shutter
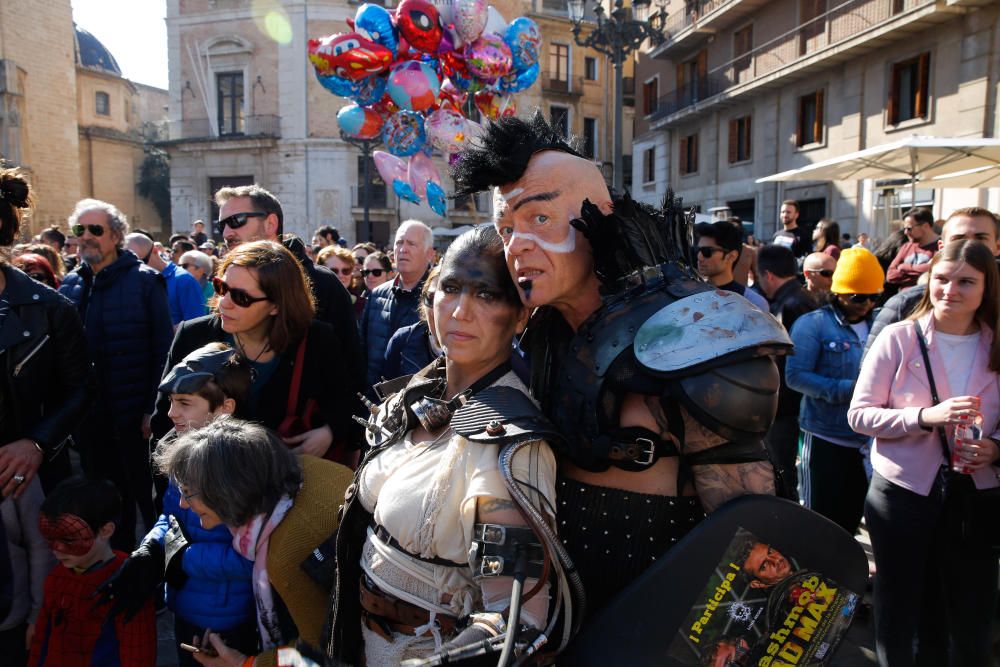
[818,126]
[694,152]
[734,130]
[680,76]
[747,154]
[702,74]
[684,155]
[893,95]
[923,79]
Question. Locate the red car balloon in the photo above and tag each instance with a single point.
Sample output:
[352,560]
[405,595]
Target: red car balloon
[350,56]
[418,21]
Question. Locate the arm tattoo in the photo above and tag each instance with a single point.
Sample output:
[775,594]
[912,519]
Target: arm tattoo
[717,483]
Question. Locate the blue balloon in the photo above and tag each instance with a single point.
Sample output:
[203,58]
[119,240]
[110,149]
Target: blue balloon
[515,83]
[337,85]
[436,198]
[405,191]
[369,91]
[524,39]
[377,22]
[403,133]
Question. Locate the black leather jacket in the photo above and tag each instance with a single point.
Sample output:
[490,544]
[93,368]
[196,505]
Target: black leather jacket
[48,381]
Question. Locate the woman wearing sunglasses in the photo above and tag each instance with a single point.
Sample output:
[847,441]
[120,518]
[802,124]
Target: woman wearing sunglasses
[936,577]
[340,260]
[377,270]
[265,310]
[829,343]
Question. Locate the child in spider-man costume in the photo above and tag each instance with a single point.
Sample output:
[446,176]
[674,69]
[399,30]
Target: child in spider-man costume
[77,521]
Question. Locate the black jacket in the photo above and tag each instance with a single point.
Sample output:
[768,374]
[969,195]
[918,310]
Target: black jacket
[790,302]
[323,379]
[48,384]
[335,307]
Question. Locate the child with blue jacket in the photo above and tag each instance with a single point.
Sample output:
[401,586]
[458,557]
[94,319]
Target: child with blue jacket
[208,584]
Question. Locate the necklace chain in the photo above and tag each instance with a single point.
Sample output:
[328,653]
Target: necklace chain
[243,351]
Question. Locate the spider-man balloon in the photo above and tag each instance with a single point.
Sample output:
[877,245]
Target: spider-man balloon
[418,21]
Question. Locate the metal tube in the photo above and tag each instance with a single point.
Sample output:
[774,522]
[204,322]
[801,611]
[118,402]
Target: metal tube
[619,182]
[366,148]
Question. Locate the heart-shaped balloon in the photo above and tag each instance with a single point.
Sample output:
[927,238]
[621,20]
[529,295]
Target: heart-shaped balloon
[470,18]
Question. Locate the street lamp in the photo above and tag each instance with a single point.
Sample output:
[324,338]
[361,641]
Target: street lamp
[366,146]
[617,35]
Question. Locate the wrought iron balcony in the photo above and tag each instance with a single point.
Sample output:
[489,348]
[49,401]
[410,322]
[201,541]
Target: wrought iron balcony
[566,85]
[237,128]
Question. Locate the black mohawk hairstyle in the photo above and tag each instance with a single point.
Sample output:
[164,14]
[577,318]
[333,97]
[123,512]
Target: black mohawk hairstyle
[502,153]
[636,236]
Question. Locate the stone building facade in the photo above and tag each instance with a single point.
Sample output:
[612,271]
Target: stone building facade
[68,116]
[743,89]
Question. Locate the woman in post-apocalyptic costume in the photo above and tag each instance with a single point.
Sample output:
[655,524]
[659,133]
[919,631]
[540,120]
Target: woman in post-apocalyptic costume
[450,516]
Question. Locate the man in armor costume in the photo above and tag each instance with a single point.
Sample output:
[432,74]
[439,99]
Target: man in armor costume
[662,386]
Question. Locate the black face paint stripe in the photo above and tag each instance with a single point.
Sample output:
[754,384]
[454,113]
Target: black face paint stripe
[541,196]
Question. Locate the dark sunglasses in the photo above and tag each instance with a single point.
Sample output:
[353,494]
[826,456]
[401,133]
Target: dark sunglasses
[373,272]
[237,220]
[861,298]
[239,296]
[186,266]
[40,277]
[910,228]
[95,230]
[344,272]
[826,273]
[707,251]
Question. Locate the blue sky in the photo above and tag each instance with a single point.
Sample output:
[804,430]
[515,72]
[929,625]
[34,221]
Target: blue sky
[135,33]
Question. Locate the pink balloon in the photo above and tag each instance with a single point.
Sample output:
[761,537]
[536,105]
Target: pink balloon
[390,167]
[422,171]
[488,58]
[445,130]
[470,18]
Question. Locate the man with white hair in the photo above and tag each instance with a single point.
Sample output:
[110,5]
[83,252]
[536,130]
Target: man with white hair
[184,294]
[123,305]
[393,305]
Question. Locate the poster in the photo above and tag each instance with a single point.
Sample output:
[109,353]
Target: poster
[760,608]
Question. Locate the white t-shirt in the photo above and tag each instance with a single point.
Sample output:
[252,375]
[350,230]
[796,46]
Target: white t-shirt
[958,353]
[861,330]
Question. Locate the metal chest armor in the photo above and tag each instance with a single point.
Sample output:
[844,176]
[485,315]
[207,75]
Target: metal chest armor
[682,341]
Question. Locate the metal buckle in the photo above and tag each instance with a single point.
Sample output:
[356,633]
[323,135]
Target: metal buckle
[491,566]
[491,533]
[648,448]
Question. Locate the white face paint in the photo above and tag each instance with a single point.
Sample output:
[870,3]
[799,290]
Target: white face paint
[567,245]
[507,196]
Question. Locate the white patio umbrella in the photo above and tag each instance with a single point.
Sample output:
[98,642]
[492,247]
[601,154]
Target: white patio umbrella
[985,177]
[917,158]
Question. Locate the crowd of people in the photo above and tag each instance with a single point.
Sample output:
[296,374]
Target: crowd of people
[367,456]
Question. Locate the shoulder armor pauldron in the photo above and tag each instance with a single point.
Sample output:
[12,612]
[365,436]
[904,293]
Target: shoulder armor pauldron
[500,415]
[706,330]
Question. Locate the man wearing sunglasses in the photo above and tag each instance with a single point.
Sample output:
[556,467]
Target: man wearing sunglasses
[818,270]
[123,305]
[718,249]
[251,213]
[829,343]
[914,256]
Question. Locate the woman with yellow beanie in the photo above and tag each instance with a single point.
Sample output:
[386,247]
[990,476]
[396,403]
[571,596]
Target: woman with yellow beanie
[829,343]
